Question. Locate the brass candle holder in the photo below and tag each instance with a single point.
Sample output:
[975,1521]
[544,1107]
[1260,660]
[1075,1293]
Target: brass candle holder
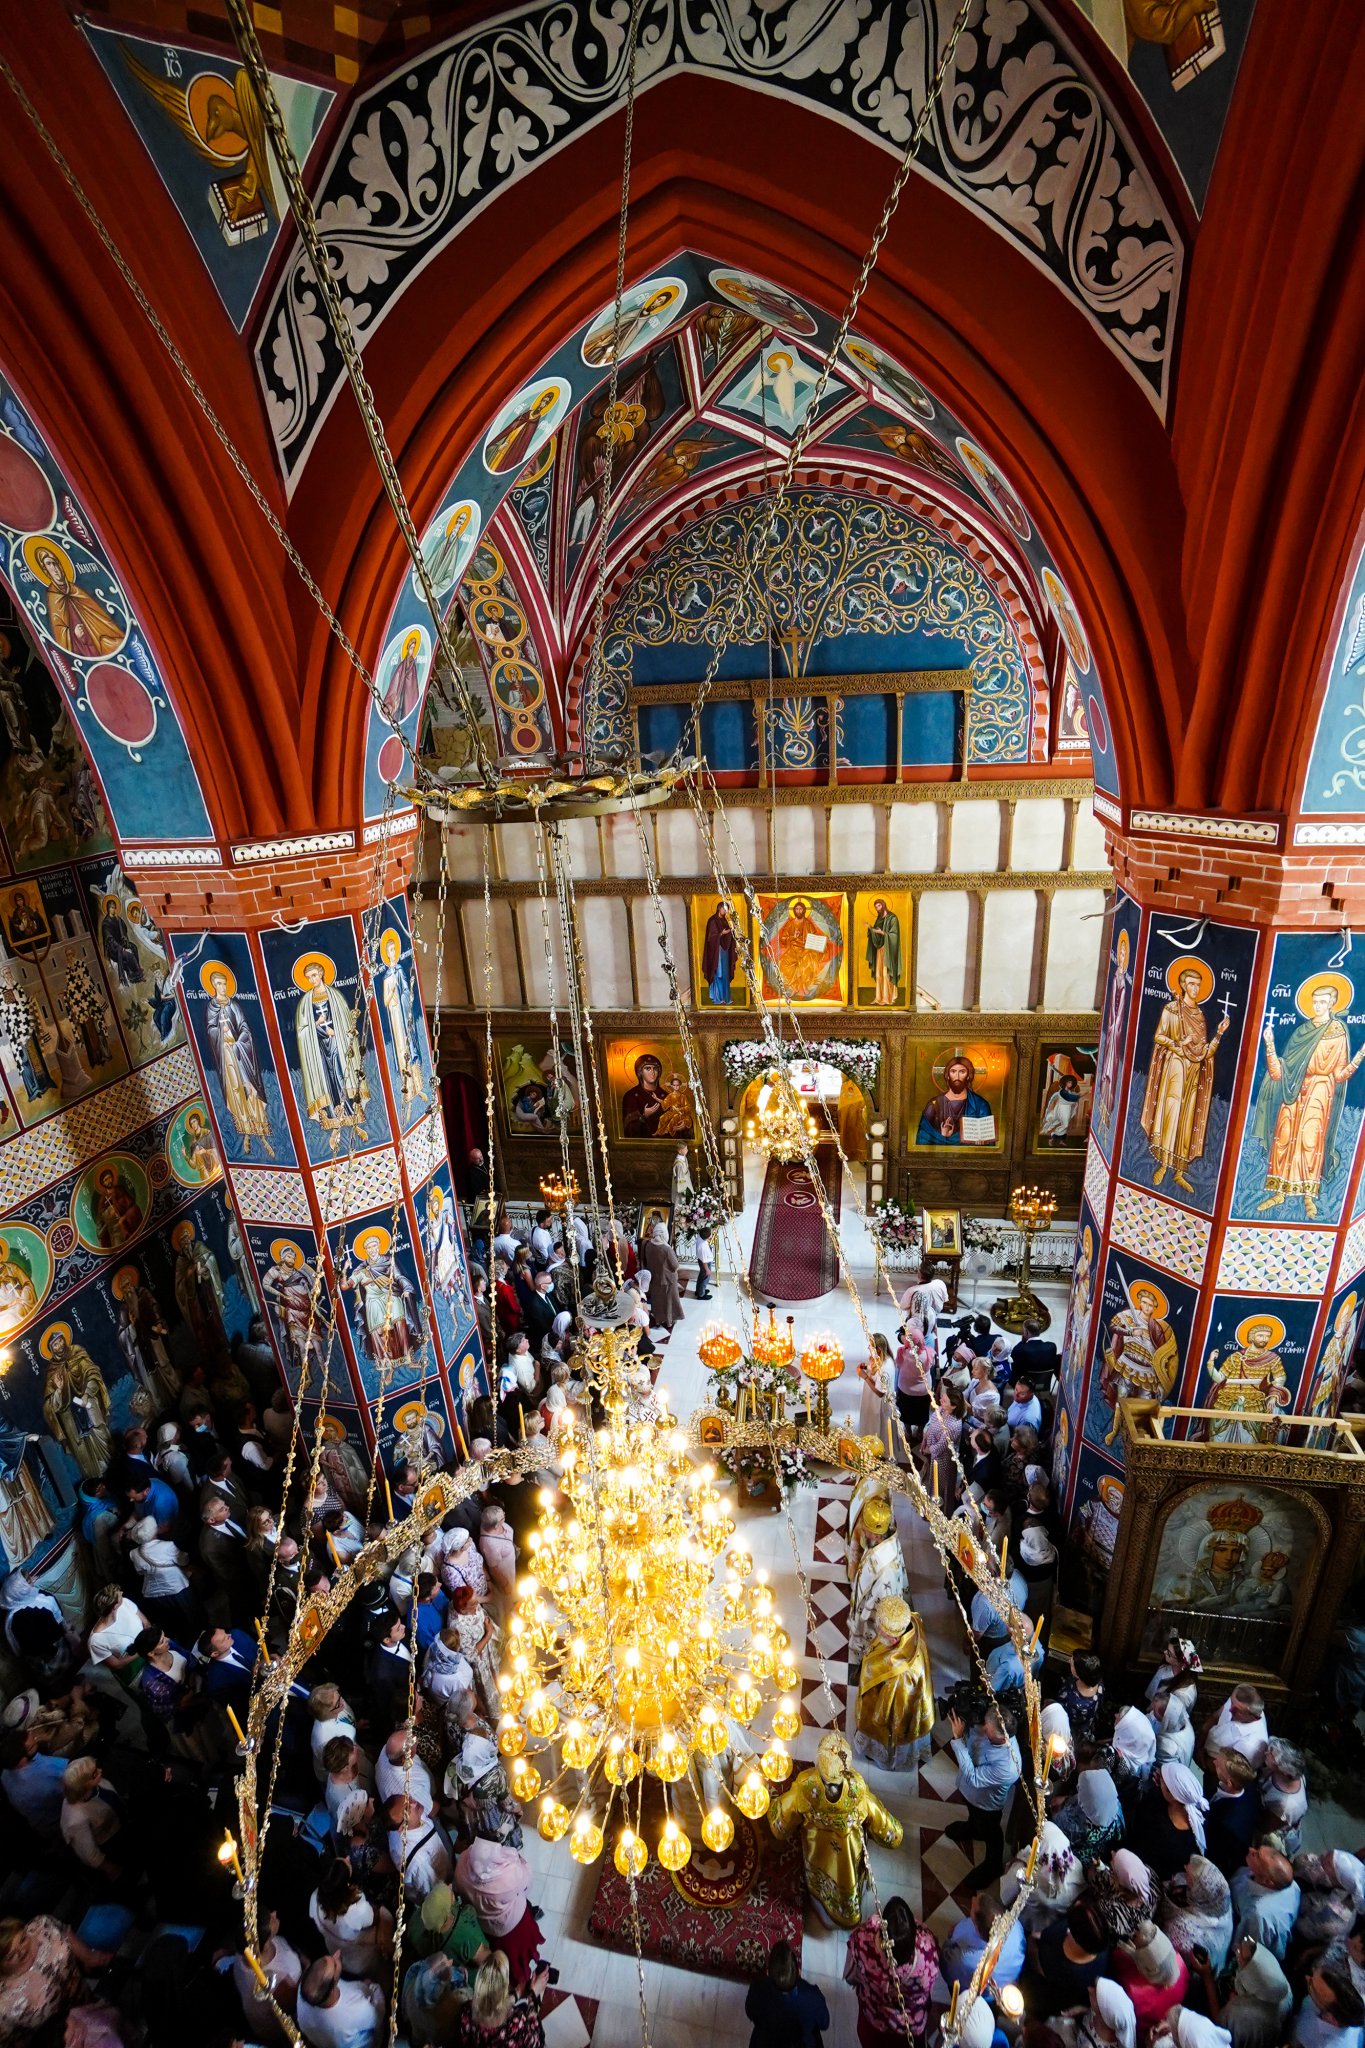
[822,1362]
[1031,1210]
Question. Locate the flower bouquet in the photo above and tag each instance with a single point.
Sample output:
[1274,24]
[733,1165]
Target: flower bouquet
[701,1212]
[896,1230]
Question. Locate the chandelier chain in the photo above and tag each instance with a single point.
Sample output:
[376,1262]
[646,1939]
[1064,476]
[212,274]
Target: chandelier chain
[306,223]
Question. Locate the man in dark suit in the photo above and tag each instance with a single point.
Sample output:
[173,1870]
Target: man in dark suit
[222,1552]
[1035,1356]
[229,1657]
[540,1312]
[220,1482]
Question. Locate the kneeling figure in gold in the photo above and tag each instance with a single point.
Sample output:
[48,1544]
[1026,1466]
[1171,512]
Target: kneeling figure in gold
[834,1811]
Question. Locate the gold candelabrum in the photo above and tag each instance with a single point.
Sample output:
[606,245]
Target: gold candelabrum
[782,1123]
[557,1192]
[1031,1210]
[822,1362]
[624,1656]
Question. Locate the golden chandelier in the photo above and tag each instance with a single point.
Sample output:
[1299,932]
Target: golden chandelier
[625,1659]
[782,1123]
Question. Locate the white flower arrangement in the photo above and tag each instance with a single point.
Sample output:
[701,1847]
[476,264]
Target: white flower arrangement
[744,1058]
[896,1229]
[980,1236]
[702,1212]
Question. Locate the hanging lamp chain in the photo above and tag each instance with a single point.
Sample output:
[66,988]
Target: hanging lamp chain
[306,222]
[801,438]
[593,680]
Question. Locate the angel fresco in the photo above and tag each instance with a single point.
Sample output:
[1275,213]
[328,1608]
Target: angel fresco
[396,995]
[223,124]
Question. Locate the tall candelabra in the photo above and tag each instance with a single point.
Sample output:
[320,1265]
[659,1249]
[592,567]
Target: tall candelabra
[1031,1210]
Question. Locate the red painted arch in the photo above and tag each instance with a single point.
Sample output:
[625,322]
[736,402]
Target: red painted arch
[1206,565]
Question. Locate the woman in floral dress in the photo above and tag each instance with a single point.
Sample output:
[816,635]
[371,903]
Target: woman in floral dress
[470,1630]
[886,2018]
[41,1968]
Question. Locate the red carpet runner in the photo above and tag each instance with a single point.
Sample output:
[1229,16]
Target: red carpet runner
[794,1257]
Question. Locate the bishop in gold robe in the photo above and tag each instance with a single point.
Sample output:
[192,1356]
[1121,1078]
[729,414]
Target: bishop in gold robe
[896,1690]
[834,1812]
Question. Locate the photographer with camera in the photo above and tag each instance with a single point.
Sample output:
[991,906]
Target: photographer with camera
[988,1768]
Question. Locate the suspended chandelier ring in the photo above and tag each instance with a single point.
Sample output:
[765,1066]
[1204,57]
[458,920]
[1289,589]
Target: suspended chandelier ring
[515,799]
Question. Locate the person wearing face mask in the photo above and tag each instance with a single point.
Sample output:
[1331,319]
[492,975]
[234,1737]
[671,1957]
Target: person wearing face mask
[833,1811]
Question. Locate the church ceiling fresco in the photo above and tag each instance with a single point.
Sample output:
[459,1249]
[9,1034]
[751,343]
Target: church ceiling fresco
[857,586]
[200,121]
[1021,135]
[690,420]
[69,597]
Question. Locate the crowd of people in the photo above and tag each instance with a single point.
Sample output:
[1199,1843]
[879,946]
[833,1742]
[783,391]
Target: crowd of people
[1172,1894]
[393,1810]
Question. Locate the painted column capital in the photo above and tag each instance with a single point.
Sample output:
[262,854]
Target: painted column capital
[252,884]
[1238,870]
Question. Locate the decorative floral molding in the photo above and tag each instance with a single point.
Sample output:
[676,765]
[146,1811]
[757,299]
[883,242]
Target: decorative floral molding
[1019,134]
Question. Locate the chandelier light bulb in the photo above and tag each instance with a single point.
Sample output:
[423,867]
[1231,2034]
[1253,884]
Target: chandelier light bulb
[585,1843]
[717,1830]
[753,1796]
[630,1854]
[674,1848]
[552,1822]
[786,1719]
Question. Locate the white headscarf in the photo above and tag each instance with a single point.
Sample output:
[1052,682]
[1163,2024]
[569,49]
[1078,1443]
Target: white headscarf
[1192,2030]
[1115,2008]
[1184,1789]
[1264,1980]
[1098,1798]
[1133,1874]
[1174,1735]
[658,1235]
[1055,1720]
[1135,1737]
[977,2029]
[1036,1547]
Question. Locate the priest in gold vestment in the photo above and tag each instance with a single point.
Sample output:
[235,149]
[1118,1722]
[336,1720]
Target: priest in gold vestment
[834,1811]
[896,1690]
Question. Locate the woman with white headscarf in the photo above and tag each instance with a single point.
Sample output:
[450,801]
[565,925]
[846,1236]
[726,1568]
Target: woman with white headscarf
[1197,1911]
[1173,1728]
[1168,1825]
[665,1291]
[1038,1564]
[1111,2021]
[1134,1752]
[1092,1819]
[1191,2030]
[1255,2012]
[1058,1878]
